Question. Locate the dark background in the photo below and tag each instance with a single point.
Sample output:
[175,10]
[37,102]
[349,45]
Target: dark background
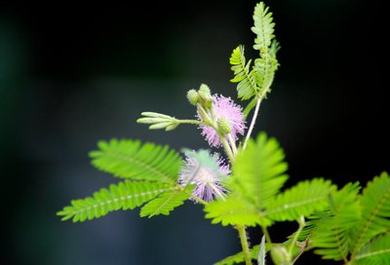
[72,74]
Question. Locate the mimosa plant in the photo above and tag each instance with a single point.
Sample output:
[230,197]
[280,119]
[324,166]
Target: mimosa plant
[240,181]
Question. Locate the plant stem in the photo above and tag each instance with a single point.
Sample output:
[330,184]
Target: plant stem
[241,229]
[244,244]
[227,148]
[252,125]
[297,257]
[231,151]
[195,122]
[267,236]
[301,222]
[232,144]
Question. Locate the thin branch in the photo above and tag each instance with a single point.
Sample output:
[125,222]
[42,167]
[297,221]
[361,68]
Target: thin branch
[232,144]
[267,235]
[195,122]
[301,223]
[228,149]
[244,244]
[252,125]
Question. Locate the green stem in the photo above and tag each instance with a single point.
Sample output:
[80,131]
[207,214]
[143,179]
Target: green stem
[255,114]
[266,233]
[227,148]
[244,244]
[301,222]
[195,122]
[232,144]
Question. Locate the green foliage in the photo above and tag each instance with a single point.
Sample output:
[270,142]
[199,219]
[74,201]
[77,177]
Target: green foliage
[258,175]
[343,225]
[375,204]
[255,199]
[165,203]
[376,252]
[255,82]
[122,196]
[264,69]
[243,74]
[355,227]
[233,211]
[303,199]
[263,27]
[130,159]
[151,169]
[259,171]
[332,228]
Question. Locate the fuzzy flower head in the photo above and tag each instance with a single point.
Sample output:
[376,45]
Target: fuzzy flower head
[224,108]
[206,172]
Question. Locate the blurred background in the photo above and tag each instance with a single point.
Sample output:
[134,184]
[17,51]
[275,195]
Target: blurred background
[71,74]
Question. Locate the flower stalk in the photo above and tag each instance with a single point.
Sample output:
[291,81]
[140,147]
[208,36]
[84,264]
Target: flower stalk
[244,243]
[161,121]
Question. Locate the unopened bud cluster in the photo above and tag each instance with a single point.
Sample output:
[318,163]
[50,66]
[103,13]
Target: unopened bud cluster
[218,117]
[202,96]
[158,121]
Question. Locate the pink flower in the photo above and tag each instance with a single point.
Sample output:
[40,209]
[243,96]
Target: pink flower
[224,107]
[206,172]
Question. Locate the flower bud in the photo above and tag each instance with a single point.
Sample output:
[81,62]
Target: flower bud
[161,125]
[204,89]
[171,127]
[205,96]
[158,121]
[193,96]
[280,255]
[224,127]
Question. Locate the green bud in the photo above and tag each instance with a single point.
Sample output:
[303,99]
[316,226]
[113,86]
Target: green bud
[151,120]
[161,125]
[193,96]
[158,121]
[171,127]
[205,96]
[204,89]
[224,127]
[280,255]
[155,115]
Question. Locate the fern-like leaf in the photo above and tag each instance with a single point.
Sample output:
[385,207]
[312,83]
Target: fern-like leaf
[243,75]
[259,171]
[264,72]
[375,203]
[254,83]
[131,159]
[165,203]
[258,175]
[234,211]
[263,27]
[331,233]
[303,199]
[122,196]
[375,253]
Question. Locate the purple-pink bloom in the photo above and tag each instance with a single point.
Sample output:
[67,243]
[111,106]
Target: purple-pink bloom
[223,107]
[205,172]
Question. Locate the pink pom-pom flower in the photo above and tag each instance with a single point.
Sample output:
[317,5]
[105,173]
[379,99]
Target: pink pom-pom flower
[206,172]
[223,107]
